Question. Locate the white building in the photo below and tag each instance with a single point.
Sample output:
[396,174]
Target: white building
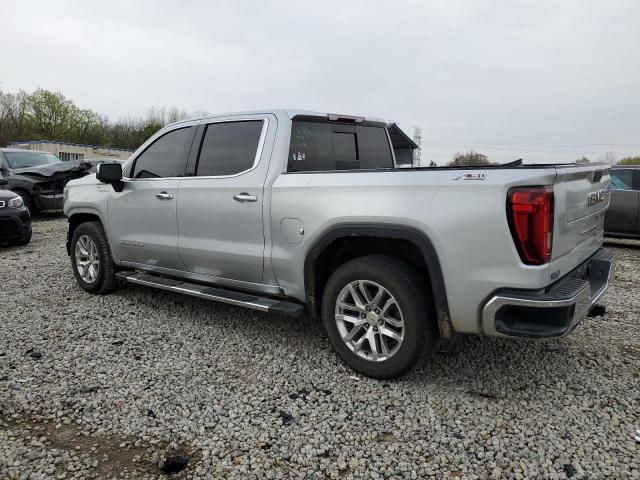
[74,151]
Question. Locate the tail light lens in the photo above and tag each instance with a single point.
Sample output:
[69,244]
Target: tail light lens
[530,212]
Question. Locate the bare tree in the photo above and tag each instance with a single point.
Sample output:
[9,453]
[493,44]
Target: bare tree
[175,115]
[18,105]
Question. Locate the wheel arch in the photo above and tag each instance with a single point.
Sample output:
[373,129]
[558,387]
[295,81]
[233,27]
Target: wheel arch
[78,218]
[343,242]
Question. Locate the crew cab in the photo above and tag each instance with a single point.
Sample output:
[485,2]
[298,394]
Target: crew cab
[292,211]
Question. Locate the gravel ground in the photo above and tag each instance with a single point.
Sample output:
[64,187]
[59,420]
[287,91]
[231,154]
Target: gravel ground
[110,387]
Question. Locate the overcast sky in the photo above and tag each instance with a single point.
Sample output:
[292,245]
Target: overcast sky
[543,80]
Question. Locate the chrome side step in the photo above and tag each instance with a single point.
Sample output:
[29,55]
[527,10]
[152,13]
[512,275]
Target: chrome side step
[247,300]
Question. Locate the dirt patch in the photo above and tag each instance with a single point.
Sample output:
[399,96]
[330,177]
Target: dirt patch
[111,457]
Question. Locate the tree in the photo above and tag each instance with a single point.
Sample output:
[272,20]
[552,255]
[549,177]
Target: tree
[87,126]
[583,160]
[4,112]
[151,128]
[17,105]
[469,158]
[47,115]
[630,161]
[51,114]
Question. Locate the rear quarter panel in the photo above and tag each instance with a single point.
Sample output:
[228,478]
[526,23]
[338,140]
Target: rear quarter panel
[464,219]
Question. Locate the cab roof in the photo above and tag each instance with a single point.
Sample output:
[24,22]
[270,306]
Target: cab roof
[289,113]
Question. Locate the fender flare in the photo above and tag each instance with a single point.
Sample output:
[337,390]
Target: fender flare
[77,212]
[391,231]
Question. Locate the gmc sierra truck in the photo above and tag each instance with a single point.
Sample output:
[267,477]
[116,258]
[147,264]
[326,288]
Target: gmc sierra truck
[287,211]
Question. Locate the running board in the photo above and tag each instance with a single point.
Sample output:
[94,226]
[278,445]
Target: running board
[247,300]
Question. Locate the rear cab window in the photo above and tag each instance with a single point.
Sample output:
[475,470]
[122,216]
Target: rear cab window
[318,145]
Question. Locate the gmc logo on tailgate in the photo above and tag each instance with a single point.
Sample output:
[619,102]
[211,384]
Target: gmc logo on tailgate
[595,197]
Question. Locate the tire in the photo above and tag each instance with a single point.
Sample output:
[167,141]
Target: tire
[412,320]
[104,280]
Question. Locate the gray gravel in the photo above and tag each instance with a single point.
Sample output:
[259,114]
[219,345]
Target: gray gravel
[109,387]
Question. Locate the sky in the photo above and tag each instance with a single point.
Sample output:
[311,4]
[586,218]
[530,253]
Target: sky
[539,80]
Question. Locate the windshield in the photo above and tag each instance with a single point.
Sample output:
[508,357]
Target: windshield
[30,159]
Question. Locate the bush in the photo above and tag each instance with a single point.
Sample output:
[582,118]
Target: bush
[470,158]
[629,161]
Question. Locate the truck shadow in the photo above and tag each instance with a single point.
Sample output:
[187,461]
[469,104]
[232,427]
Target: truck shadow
[485,367]
[500,369]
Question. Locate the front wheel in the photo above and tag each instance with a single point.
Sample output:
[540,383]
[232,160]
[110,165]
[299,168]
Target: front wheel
[91,260]
[377,317]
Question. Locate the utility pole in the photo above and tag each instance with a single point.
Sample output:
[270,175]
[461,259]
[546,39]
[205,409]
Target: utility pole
[417,137]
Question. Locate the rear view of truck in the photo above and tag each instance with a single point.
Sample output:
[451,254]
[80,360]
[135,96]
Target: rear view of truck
[561,225]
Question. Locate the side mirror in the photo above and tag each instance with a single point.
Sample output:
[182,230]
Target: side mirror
[110,173]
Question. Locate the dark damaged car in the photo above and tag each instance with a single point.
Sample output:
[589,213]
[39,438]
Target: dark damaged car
[39,177]
[15,221]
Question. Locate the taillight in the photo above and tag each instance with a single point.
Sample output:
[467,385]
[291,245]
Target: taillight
[530,211]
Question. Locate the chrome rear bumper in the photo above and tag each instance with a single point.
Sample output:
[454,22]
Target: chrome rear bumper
[555,311]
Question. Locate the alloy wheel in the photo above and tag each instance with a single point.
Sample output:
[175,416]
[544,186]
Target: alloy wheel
[369,320]
[87,259]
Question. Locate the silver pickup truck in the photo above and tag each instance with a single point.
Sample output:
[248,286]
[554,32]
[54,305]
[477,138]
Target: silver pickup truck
[287,211]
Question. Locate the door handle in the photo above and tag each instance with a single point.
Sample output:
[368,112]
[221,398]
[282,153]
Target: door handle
[164,196]
[245,197]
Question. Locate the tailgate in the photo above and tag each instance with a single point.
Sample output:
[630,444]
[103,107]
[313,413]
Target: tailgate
[581,196]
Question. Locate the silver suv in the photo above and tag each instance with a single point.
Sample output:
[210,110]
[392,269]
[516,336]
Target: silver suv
[287,211]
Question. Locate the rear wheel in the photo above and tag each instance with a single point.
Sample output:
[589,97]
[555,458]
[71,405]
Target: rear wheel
[91,260]
[377,317]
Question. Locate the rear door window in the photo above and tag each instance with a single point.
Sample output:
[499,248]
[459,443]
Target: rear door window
[317,147]
[166,157]
[229,148]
